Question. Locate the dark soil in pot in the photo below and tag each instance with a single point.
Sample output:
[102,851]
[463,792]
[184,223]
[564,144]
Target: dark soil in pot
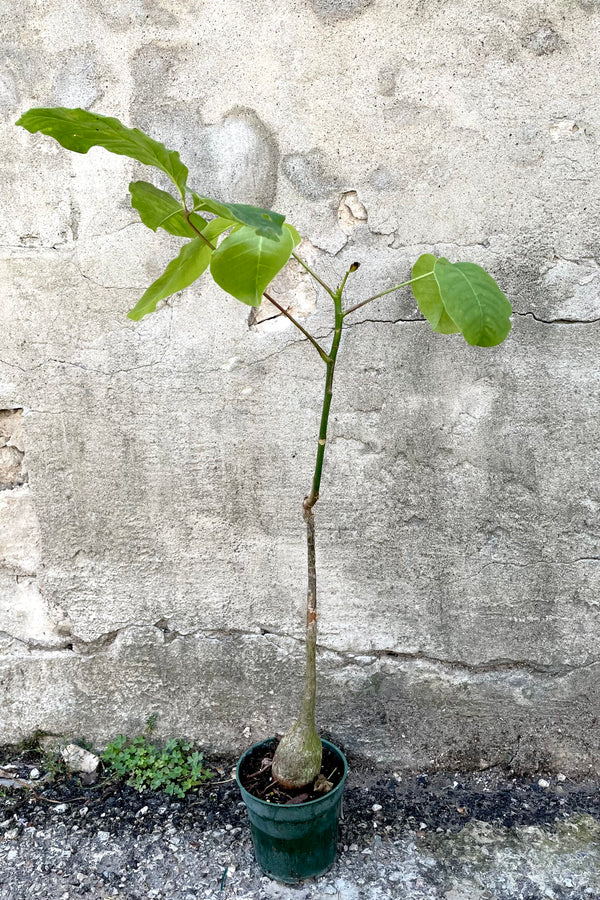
[255,776]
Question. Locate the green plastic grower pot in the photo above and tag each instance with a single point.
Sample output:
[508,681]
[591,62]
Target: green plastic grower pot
[297,841]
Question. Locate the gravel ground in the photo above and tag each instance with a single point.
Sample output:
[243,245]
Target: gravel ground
[483,836]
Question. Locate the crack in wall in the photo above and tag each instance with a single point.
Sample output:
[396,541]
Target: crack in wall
[561,321]
[360,657]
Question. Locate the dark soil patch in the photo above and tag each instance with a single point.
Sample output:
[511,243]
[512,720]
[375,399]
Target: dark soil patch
[255,774]
[390,805]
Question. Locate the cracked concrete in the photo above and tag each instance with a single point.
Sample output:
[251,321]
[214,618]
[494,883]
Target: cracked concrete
[151,540]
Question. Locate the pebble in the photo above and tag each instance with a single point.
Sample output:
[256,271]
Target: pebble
[103,836]
[77,759]
[543,783]
[61,808]
[12,854]
[34,774]
[141,812]
[560,777]
[376,807]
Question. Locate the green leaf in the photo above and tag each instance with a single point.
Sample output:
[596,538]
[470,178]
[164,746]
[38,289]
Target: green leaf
[264,222]
[474,301]
[182,271]
[295,236]
[78,130]
[427,295]
[158,209]
[246,262]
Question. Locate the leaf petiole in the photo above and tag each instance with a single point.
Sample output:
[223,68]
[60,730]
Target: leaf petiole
[383,293]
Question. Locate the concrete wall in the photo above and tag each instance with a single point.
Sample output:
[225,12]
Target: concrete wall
[151,544]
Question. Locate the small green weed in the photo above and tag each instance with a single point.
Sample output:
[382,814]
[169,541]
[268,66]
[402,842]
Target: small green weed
[54,765]
[176,769]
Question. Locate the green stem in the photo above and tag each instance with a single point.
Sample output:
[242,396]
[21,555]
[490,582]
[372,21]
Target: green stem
[313,496]
[297,760]
[383,293]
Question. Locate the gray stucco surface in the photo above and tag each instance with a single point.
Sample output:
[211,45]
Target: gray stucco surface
[151,543]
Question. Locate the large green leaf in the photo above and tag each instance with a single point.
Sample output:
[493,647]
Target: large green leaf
[78,130]
[182,271]
[427,295]
[246,262]
[474,301]
[158,209]
[264,222]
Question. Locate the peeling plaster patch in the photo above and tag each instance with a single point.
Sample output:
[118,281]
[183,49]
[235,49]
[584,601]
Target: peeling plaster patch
[24,615]
[12,452]
[543,41]
[564,129]
[573,286]
[309,174]
[19,532]
[293,289]
[351,212]
[339,10]
[76,81]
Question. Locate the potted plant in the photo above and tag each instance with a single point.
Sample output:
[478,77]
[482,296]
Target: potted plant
[293,804]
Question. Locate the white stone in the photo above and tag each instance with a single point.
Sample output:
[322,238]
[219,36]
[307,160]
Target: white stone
[79,760]
[543,783]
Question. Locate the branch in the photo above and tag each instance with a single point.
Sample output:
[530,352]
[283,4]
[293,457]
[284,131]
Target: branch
[187,213]
[383,293]
[308,336]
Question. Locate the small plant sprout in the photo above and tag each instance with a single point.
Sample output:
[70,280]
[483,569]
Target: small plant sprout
[244,247]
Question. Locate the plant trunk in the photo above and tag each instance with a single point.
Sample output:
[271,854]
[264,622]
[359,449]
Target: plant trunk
[297,760]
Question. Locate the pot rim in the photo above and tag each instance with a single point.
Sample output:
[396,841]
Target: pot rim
[306,803]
